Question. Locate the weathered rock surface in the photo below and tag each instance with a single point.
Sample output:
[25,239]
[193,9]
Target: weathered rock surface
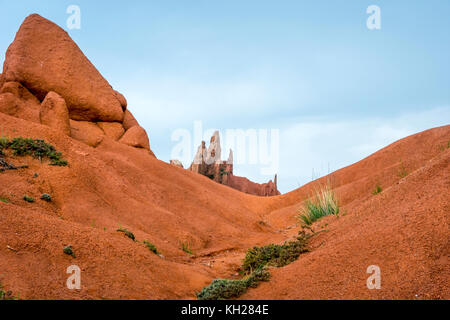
[86,132]
[54,113]
[18,102]
[20,92]
[44,58]
[214,153]
[128,120]
[176,163]
[9,104]
[136,137]
[113,130]
[209,163]
[122,100]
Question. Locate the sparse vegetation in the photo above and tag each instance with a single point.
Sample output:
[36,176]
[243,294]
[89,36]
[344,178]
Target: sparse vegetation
[36,148]
[46,197]
[28,199]
[151,247]
[127,233]
[377,190]
[402,172]
[323,203]
[254,268]
[7,295]
[4,200]
[186,247]
[274,255]
[222,289]
[69,251]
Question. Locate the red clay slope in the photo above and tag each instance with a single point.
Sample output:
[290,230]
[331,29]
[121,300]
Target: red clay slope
[404,230]
[115,185]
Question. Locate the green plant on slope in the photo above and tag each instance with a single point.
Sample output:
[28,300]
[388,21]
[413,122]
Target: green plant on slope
[254,267]
[402,172]
[36,148]
[151,247]
[28,199]
[377,190]
[273,255]
[323,203]
[127,233]
[7,295]
[223,289]
[4,200]
[186,247]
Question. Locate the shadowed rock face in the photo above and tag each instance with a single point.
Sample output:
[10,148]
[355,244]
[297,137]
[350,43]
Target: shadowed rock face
[44,64]
[44,58]
[209,163]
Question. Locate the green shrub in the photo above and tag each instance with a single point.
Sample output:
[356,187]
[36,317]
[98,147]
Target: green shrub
[36,148]
[377,190]
[273,255]
[222,289]
[69,251]
[127,233]
[6,295]
[28,199]
[254,266]
[46,197]
[323,203]
[151,247]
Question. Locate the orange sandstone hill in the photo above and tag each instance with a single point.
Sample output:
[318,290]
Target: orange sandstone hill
[114,181]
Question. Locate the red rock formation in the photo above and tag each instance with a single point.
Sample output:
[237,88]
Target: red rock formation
[136,137]
[44,62]
[44,58]
[209,163]
[113,130]
[54,113]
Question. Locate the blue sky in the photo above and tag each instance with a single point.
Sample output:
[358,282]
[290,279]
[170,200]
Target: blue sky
[336,90]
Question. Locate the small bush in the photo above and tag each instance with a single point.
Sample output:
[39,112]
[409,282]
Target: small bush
[6,295]
[222,289]
[377,190]
[127,233]
[69,251]
[46,197]
[273,255]
[36,148]
[28,199]
[151,247]
[186,248]
[322,204]
[254,266]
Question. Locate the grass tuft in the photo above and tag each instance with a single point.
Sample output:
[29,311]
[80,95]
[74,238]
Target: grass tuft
[4,200]
[323,203]
[127,233]
[402,172]
[377,190]
[186,248]
[151,247]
